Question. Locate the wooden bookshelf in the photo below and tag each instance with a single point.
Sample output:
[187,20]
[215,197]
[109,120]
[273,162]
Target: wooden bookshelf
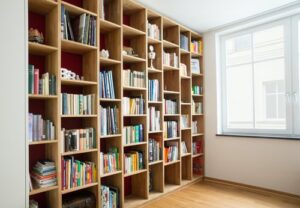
[124,23]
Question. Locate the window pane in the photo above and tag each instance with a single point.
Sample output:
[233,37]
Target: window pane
[269,91]
[268,43]
[238,50]
[239,97]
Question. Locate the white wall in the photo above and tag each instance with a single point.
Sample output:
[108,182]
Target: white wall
[266,163]
[12,104]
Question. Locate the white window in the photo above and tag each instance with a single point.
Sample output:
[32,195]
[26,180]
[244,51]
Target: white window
[260,80]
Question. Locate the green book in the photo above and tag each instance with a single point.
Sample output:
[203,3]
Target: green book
[136,131]
[30,78]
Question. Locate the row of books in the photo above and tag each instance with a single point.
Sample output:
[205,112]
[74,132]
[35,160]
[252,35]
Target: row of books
[194,127]
[183,148]
[184,118]
[106,85]
[133,161]
[133,105]
[76,173]
[171,106]
[196,46]
[76,104]
[110,197]
[197,107]
[170,129]
[79,139]
[197,147]
[133,134]
[43,175]
[155,150]
[109,116]
[153,92]
[153,31]
[46,85]
[109,162]
[81,29]
[171,152]
[197,90]
[153,119]
[195,66]
[40,129]
[184,42]
[134,78]
[170,59]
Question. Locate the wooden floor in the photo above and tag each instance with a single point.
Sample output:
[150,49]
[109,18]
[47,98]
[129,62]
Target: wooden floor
[212,195]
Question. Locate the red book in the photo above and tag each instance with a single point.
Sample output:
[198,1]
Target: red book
[36,81]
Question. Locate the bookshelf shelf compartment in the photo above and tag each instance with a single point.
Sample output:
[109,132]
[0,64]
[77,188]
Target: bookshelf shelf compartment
[135,173]
[40,49]
[42,190]
[111,174]
[76,47]
[66,191]
[79,152]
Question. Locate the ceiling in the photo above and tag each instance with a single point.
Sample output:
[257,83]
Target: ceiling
[203,15]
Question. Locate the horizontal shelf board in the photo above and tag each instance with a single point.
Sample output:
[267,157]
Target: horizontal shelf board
[131,32]
[185,77]
[135,115]
[132,201]
[170,68]
[77,82]
[76,47]
[172,162]
[188,128]
[197,95]
[109,100]
[80,116]
[171,139]
[134,144]
[135,173]
[169,115]
[198,114]
[110,136]
[107,26]
[171,92]
[153,41]
[197,75]
[195,54]
[155,162]
[153,70]
[79,152]
[132,59]
[134,88]
[42,97]
[75,10]
[168,44]
[198,134]
[186,154]
[111,174]
[43,142]
[155,132]
[155,102]
[40,49]
[79,188]
[41,7]
[185,103]
[42,190]
[198,155]
[183,51]
[108,61]
[170,187]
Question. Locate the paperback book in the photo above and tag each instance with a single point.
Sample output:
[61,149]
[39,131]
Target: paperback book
[40,129]
[133,134]
[109,120]
[110,161]
[106,85]
[133,161]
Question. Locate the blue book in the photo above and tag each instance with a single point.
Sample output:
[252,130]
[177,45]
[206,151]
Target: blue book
[141,135]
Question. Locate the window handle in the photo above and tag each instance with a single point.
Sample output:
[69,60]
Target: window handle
[295,97]
[288,97]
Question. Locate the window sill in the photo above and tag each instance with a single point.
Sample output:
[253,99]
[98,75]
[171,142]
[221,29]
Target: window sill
[260,136]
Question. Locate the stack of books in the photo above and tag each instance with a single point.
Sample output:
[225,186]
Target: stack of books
[81,29]
[133,105]
[74,104]
[184,121]
[133,134]
[41,86]
[79,139]
[194,127]
[76,173]
[43,174]
[171,107]
[183,148]
[110,197]
[153,93]
[153,31]
[106,85]
[134,161]
[109,117]
[196,46]
[153,119]
[109,162]
[197,90]
[134,78]
[197,147]
[170,129]
[171,151]
[170,59]
[184,42]
[40,129]
[155,150]
[197,107]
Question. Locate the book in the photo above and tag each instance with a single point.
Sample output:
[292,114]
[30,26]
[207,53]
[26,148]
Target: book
[133,105]
[153,31]
[197,90]
[40,129]
[170,59]
[110,197]
[184,120]
[133,134]
[133,161]
[195,66]
[43,174]
[171,106]
[197,107]
[183,148]
[110,161]
[153,90]
[153,119]
[183,69]
[171,151]
[170,129]
[133,78]
[154,149]
[77,104]
[194,127]
[184,42]
[196,46]
[102,9]
[109,120]
[106,85]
